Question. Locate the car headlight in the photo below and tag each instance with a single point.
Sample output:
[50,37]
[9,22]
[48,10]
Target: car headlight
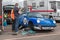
[38,21]
[25,21]
[54,21]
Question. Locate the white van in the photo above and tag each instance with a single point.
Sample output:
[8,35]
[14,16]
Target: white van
[56,15]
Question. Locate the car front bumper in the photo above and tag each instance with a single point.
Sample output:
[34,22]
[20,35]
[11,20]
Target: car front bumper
[45,27]
[48,28]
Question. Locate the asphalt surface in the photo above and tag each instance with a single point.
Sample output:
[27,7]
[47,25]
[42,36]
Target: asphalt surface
[40,35]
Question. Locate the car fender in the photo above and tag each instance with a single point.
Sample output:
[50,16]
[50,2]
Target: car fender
[33,20]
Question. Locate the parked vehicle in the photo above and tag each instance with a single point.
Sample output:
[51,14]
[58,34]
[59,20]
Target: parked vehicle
[8,7]
[7,11]
[35,20]
[56,7]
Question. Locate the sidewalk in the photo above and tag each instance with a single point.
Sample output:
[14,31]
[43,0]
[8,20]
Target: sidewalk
[8,34]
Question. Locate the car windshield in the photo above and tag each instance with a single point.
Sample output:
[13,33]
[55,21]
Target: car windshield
[34,14]
[12,6]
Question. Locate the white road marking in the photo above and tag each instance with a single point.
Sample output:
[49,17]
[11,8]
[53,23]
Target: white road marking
[33,36]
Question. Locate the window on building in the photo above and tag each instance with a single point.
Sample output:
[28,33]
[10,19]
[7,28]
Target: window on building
[41,4]
[58,5]
[53,5]
[33,5]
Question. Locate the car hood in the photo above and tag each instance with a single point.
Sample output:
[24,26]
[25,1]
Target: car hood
[46,20]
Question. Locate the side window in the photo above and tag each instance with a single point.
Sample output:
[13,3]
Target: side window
[33,5]
[53,5]
[58,4]
[41,4]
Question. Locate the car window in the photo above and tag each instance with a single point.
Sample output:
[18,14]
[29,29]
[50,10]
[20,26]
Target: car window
[34,14]
[8,6]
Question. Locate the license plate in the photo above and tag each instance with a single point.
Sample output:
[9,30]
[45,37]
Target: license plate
[37,27]
[46,27]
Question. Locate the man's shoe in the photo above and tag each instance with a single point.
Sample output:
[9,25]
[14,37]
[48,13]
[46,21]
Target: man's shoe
[15,33]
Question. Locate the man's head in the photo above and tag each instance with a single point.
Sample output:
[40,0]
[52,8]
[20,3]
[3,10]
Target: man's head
[16,4]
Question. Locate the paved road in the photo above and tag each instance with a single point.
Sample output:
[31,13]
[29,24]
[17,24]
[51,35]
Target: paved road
[51,37]
[40,35]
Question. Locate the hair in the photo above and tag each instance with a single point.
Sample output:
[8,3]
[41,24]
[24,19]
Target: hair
[16,4]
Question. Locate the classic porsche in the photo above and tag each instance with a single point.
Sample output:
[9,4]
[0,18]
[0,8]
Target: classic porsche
[35,20]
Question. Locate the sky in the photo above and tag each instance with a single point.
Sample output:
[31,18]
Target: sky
[6,2]
[13,0]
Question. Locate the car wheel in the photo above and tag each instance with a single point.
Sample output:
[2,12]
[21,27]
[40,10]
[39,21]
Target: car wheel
[31,26]
[52,30]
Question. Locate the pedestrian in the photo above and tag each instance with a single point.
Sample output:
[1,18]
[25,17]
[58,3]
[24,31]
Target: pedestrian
[4,25]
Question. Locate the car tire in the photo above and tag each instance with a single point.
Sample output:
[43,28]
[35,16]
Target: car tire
[30,25]
[52,30]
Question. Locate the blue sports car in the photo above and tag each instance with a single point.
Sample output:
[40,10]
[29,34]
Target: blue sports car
[35,20]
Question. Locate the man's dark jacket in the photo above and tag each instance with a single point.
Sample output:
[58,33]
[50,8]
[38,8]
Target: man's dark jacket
[16,9]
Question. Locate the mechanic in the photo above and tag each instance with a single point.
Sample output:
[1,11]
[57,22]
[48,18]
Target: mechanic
[15,21]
